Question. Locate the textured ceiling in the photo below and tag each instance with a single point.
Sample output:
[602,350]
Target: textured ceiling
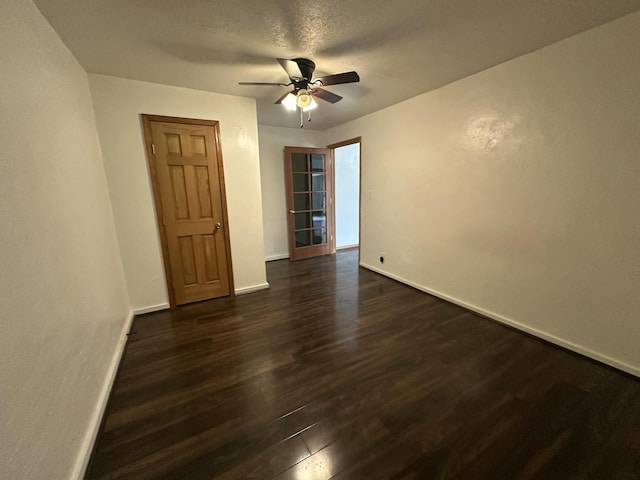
[400,48]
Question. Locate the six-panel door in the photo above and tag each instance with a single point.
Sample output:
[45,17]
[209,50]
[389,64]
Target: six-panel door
[187,170]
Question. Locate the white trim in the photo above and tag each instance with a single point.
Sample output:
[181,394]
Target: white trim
[153,308]
[280,256]
[251,289]
[82,462]
[520,326]
[344,247]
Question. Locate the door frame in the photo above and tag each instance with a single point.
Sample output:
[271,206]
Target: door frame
[148,141]
[332,149]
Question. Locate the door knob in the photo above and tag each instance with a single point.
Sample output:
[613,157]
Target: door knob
[292,211]
[218,226]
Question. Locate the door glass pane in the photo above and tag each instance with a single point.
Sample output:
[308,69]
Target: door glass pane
[302,221]
[300,182]
[303,238]
[319,219]
[317,162]
[319,236]
[317,182]
[317,201]
[301,201]
[299,162]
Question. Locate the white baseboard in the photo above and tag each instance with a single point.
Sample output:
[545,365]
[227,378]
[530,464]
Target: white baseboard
[251,289]
[625,367]
[82,462]
[153,308]
[344,247]
[280,256]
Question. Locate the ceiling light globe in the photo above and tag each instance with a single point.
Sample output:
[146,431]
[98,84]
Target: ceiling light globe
[289,102]
[311,106]
[304,99]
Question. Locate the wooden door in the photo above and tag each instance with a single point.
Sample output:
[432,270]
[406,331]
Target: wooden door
[188,182]
[310,215]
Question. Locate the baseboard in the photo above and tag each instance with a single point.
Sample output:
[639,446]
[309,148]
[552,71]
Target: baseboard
[86,449]
[271,258]
[251,289]
[153,308]
[344,247]
[612,362]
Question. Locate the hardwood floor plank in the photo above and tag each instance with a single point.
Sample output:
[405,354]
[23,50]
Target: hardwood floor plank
[336,372]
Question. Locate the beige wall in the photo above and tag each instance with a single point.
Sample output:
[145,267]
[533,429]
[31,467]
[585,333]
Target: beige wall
[516,192]
[63,300]
[274,207]
[118,104]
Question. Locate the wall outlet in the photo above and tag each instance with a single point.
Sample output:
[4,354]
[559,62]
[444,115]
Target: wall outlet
[381,257]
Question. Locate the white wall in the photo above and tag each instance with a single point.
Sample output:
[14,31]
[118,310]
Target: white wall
[118,104]
[274,204]
[516,191]
[63,301]
[347,194]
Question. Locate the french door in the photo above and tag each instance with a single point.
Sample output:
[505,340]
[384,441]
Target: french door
[309,183]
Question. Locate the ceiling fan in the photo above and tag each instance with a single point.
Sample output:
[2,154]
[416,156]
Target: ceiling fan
[305,87]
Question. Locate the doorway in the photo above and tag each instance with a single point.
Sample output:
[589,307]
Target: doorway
[347,160]
[185,161]
[346,179]
[323,198]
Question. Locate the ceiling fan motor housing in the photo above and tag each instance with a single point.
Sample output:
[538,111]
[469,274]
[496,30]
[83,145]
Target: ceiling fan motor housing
[306,66]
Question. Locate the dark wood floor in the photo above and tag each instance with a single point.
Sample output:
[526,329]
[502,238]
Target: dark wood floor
[337,372]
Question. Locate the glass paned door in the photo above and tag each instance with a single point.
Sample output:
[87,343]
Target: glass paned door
[308,182]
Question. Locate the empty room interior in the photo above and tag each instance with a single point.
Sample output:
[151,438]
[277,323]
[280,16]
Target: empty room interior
[314,240]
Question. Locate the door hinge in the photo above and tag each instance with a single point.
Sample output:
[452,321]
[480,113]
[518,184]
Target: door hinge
[153,148]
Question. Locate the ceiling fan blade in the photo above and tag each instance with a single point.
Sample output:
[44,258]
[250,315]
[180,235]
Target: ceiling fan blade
[326,95]
[264,83]
[291,67]
[279,101]
[338,78]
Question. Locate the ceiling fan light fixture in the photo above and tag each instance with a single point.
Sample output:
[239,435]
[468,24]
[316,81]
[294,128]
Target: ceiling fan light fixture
[300,73]
[303,99]
[289,102]
[311,106]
